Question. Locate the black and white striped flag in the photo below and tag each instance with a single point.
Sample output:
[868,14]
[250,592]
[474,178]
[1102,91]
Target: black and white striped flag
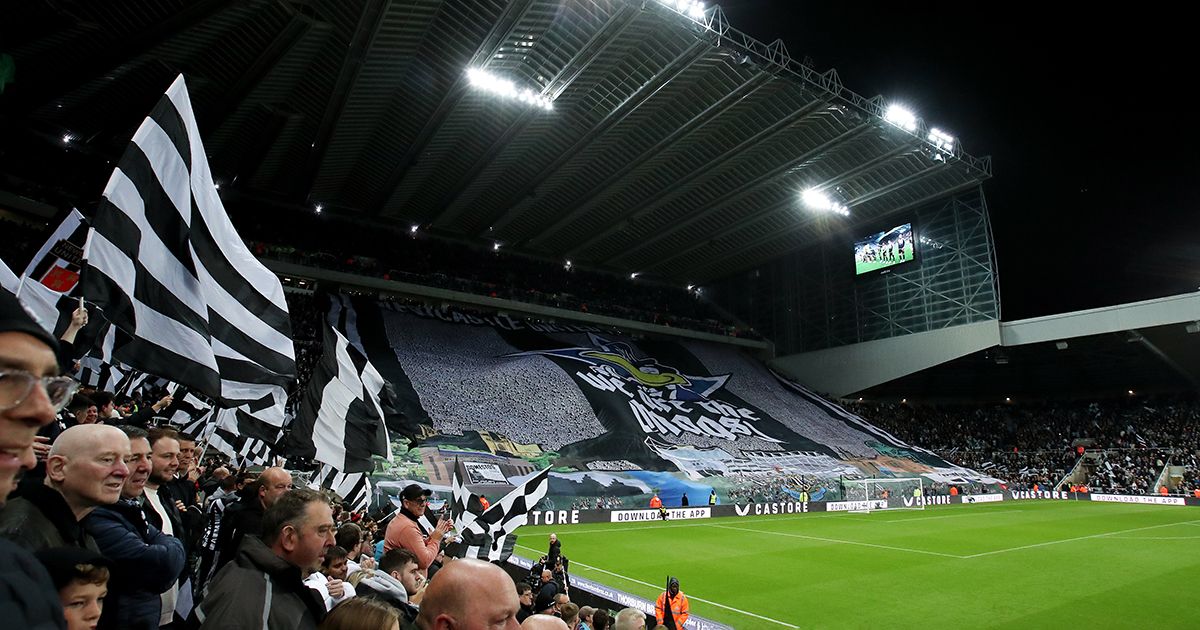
[8,280]
[187,409]
[167,267]
[340,420]
[489,536]
[246,440]
[353,488]
[95,373]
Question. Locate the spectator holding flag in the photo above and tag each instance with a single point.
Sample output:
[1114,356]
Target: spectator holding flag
[672,609]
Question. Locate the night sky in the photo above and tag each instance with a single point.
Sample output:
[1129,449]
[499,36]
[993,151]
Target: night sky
[1095,145]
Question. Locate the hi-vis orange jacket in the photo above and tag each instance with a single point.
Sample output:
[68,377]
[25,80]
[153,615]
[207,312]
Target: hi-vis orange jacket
[679,608]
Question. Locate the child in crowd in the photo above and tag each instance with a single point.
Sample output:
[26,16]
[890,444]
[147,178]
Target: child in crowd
[81,577]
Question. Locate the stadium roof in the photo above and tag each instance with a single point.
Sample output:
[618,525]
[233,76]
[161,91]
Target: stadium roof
[1142,347]
[676,146]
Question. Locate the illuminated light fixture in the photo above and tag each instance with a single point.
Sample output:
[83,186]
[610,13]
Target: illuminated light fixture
[633,276]
[68,138]
[690,8]
[412,230]
[942,140]
[319,208]
[1131,392]
[495,247]
[690,287]
[1007,399]
[488,82]
[901,117]
[217,185]
[818,200]
[567,264]
[903,400]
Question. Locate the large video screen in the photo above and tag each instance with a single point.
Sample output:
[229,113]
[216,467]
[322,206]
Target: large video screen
[884,249]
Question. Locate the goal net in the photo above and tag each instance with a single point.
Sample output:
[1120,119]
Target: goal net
[868,495]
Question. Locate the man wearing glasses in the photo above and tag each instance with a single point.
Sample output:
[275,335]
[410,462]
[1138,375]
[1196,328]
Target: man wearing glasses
[26,357]
[406,531]
[85,468]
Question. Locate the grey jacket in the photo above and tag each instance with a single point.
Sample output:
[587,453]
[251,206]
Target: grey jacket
[386,588]
[258,589]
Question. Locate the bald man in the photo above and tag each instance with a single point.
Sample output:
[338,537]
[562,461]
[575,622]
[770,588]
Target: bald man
[469,594]
[543,622]
[85,469]
[244,518]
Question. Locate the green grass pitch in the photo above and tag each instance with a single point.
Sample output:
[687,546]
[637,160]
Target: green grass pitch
[1029,564]
[867,267]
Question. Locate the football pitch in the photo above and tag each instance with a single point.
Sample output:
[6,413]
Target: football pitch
[1027,564]
[867,267]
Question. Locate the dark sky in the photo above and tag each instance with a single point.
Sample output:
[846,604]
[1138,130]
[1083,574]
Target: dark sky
[1094,139]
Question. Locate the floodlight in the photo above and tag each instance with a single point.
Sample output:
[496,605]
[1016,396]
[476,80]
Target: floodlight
[318,208]
[413,229]
[633,275]
[67,138]
[818,200]
[901,117]
[495,247]
[689,8]
[489,82]
[942,140]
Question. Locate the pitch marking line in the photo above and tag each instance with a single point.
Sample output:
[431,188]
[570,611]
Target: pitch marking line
[1066,540]
[709,602]
[843,542]
[1157,537]
[929,518]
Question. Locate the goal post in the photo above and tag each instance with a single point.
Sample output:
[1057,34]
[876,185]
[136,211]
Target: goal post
[867,493]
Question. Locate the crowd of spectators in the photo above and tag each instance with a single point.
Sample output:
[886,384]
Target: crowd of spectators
[747,487]
[1133,438]
[121,521]
[598,503]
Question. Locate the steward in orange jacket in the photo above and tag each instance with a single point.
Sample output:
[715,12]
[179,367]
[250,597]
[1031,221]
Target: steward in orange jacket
[678,607]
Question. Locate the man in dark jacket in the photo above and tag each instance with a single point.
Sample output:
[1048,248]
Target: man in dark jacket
[244,518]
[263,585]
[85,470]
[146,561]
[27,354]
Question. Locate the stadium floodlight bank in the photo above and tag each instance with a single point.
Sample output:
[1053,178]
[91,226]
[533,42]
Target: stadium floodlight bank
[874,493]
